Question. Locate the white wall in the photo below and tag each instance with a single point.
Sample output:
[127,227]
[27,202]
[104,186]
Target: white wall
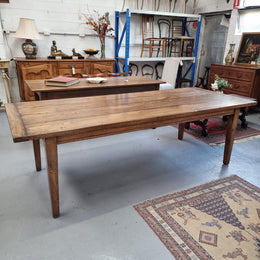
[58,19]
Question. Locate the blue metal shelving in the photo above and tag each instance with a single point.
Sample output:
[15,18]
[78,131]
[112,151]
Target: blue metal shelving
[124,35]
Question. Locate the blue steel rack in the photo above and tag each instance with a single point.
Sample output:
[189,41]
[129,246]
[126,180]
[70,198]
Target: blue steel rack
[124,35]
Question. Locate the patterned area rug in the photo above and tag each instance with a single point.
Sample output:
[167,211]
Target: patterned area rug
[217,220]
[217,131]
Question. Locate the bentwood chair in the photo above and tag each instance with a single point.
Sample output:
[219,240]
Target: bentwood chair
[158,70]
[179,39]
[164,26]
[149,42]
[132,69]
[182,80]
[147,71]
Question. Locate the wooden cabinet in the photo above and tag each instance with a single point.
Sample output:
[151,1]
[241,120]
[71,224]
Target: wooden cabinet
[42,68]
[245,80]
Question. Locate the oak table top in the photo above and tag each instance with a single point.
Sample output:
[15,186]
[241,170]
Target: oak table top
[114,85]
[58,121]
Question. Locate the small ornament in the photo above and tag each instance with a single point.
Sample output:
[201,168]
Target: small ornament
[230,56]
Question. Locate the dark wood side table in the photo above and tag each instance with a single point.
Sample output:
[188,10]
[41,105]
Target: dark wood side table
[245,80]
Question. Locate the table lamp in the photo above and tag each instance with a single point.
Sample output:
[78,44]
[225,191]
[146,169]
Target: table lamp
[27,30]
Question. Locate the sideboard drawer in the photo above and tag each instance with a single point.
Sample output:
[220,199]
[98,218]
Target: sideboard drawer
[239,87]
[240,75]
[69,71]
[66,65]
[235,74]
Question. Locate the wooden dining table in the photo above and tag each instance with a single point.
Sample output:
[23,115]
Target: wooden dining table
[58,122]
[113,85]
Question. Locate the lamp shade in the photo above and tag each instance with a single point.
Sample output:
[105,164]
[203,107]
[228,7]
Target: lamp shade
[27,30]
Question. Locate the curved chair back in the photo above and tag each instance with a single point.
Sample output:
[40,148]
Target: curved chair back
[147,71]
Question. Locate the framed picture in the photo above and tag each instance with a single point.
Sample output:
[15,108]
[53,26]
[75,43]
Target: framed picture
[249,49]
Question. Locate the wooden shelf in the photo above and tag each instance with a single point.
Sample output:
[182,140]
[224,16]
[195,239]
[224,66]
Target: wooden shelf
[181,15]
[140,59]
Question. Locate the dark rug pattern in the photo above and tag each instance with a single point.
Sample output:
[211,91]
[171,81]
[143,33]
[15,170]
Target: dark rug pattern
[217,131]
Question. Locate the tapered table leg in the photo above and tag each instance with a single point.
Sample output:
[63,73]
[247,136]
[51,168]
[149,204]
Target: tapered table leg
[52,164]
[181,131]
[37,154]
[231,130]
[123,7]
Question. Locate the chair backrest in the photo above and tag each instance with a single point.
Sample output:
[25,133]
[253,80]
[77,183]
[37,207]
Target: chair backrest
[158,70]
[170,71]
[147,26]
[132,69]
[177,27]
[164,26]
[147,71]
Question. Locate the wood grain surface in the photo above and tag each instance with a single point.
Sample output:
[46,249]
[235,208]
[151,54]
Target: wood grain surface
[112,114]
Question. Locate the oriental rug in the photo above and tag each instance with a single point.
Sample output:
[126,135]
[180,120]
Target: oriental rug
[217,131]
[216,220]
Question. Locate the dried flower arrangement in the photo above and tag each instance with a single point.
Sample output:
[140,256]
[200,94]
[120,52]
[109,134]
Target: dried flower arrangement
[100,24]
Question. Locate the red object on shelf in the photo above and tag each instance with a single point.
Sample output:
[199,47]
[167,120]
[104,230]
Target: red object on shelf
[195,24]
[236,4]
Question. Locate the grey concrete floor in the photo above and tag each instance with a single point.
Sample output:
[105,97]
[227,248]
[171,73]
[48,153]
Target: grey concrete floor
[100,180]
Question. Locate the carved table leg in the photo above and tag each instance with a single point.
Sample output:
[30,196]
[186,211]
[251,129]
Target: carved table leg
[242,118]
[52,163]
[203,125]
[231,129]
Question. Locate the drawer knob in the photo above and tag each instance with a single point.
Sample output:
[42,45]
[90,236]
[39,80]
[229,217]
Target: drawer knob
[239,75]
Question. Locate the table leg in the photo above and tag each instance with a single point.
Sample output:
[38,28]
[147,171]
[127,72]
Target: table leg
[181,131]
[52,164]
[6,81]
[37,154]
[231,129]
[123,7]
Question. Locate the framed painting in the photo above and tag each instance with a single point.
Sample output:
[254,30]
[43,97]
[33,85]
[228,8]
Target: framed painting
[249,49]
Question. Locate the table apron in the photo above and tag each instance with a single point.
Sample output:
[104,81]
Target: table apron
[83,134]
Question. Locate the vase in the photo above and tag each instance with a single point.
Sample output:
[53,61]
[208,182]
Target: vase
[230,56]
[102,47]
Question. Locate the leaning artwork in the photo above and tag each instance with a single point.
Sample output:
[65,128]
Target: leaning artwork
[249,49]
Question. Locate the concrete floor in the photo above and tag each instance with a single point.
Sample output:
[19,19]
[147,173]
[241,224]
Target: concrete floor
[100,180]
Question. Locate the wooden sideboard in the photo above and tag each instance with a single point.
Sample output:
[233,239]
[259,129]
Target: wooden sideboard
[41,68]
[245,80]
